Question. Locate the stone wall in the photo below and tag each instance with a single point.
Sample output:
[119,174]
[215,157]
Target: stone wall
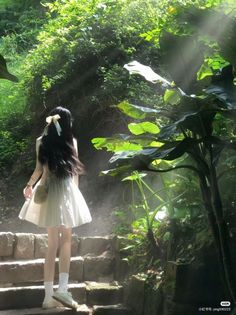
[21,246]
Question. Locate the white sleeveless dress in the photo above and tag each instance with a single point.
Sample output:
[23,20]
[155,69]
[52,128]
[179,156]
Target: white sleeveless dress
[64,205]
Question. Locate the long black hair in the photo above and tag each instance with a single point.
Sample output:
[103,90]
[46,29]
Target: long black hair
[57,150]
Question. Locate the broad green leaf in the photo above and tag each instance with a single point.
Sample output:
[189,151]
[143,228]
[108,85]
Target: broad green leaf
[115,144]
[142,159]
[155,144]
[211,64]
[143,127]
[172,97]
[135,67]
[217,62]
[224,89]
[134,111]
[156,162]
[204,72]
[122,141]
[193,113]
[167,163]
[127,155]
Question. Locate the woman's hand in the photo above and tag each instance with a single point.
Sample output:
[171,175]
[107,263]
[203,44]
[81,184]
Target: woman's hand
[27,192]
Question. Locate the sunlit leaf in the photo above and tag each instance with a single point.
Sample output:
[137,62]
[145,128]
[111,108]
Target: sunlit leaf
[115,144]
[204,71]
[143,158]
[135,67]
[172,96]
[156,144]
[143,127]
[134,111]
[156,162]
[168,163]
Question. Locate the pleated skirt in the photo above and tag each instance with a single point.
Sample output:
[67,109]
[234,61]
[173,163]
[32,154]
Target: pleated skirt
[64,206]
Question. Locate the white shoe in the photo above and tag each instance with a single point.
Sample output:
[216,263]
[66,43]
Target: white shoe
[51,303]
[66,299]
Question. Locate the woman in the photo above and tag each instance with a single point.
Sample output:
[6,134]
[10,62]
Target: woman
[56,202]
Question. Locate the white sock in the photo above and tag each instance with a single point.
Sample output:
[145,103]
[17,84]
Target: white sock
[48,290]
[63,281]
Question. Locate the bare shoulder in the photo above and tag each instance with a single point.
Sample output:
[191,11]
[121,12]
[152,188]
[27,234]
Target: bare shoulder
[38,142]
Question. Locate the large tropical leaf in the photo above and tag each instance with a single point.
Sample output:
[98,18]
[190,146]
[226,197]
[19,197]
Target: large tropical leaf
[172,96]
[135,67]
[123,142]
[145,154]
[115,144]
[194,114]
[168,151]
[137,112]
[143,127]
[223,87]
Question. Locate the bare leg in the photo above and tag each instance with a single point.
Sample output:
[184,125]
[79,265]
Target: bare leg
[64,258]
[65,250]
[49,266]
[62,295]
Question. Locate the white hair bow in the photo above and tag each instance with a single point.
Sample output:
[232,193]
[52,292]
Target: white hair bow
[53,119]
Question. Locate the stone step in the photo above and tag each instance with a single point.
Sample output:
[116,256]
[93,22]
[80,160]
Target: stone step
[91,293]
[117,309]
[32,246]
[82,310]
[99,268]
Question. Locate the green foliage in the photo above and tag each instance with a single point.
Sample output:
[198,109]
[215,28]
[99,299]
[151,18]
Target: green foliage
[12,142]
[192,117]
[187,128]
[20,23]
[139,221]
[10,148]
[88,35]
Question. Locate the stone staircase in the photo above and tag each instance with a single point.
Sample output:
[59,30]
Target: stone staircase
[96,275]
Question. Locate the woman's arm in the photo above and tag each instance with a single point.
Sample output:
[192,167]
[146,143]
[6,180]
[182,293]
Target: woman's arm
[35,176]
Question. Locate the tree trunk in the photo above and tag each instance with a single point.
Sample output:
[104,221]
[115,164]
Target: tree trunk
[213,206]
[223,235]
